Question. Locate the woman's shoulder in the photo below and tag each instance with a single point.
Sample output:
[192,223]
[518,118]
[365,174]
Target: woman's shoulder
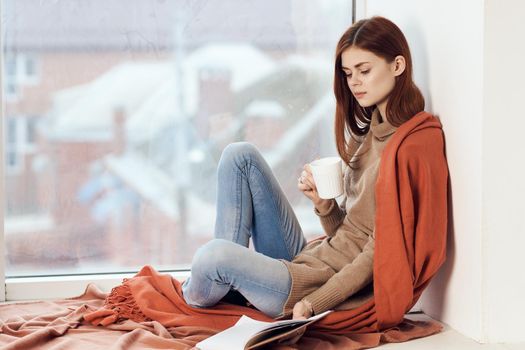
[424,128]
[423,142]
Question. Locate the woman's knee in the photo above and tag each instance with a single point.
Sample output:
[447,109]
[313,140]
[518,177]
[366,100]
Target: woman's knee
[214,256]
[238,152]
[210,265]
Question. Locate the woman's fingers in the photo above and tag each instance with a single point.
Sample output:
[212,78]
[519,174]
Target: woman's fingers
[308,179]
[306,183]
[308,191]
[304,187]
[310,183]
[308,168]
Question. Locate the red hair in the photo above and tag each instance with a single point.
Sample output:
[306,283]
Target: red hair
[384,39]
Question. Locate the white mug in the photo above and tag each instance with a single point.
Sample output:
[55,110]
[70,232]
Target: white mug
[328,176]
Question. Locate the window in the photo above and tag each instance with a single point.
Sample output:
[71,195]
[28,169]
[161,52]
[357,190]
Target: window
[129,116]
[30,66]
[10,84]
[31,133]
[11,89]
[12,131]
[13,161]
[27,73]
[10,66]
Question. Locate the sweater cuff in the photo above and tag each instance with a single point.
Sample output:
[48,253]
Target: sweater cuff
[332,219]
[325,298]
[330,208]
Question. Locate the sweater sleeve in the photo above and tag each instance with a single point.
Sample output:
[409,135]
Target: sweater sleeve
[349,280]
[333,217]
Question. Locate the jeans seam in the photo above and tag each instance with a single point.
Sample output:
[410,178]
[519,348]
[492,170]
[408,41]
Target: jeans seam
[239,206]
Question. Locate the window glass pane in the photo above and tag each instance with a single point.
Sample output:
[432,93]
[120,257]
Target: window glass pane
[30,66]
[31,130]
[134,111]
[11,131]
[11,159]
[10,66]
[10,88]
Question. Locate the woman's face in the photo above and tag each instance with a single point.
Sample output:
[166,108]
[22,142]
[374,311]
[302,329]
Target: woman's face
[370,75]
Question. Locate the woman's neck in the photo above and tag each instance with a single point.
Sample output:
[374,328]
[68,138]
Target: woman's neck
[382,110]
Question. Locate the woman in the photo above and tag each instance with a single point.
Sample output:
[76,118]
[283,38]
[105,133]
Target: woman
[286,275]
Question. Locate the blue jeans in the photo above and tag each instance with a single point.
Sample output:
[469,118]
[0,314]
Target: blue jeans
[250,203]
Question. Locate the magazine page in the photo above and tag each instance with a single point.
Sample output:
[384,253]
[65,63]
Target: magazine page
[237,336]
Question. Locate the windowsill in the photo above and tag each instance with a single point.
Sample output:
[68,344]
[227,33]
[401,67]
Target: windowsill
[38,288]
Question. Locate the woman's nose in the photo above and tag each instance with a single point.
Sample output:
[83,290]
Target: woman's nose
[354,81]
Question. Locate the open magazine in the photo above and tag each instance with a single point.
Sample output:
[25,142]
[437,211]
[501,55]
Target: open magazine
[248,333]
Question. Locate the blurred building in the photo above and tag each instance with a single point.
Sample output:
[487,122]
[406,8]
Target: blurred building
[98,106]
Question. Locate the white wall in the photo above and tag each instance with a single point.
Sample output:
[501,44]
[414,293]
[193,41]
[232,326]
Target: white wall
[503,170]
[447,48]
[454,48]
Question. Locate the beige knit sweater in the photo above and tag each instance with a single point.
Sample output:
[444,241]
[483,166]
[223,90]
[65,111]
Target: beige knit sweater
[336,272]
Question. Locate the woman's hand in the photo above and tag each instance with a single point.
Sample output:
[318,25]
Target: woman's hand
[302,310]
[306,184]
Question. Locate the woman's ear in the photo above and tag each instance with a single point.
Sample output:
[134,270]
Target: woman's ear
[399,65]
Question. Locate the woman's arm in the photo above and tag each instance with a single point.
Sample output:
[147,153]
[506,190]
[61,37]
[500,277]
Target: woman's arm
[348,281]
[332,217]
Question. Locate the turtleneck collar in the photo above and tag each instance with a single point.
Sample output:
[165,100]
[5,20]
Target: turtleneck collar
[381,130]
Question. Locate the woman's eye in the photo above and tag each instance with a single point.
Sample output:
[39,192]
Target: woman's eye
[363,72]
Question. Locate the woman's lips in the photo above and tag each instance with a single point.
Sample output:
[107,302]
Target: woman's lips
[359,95]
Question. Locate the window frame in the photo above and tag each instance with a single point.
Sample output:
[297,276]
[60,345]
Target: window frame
[56,287]
[2,163]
